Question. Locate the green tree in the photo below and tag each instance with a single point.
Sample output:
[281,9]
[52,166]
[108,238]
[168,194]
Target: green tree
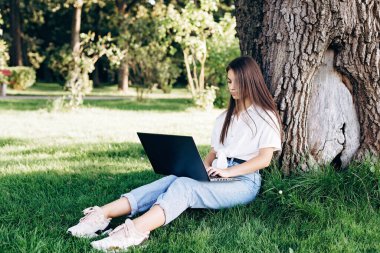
[4,56]
[15,26]
[222,48]
[83,62]
[194,28]
[150,48]
[125,9]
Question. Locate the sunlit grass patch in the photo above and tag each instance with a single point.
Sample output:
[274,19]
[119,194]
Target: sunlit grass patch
[11,142]
[23,105]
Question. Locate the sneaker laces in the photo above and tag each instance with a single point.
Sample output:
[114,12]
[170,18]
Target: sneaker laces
[121,227]
[129,228]
[87,212]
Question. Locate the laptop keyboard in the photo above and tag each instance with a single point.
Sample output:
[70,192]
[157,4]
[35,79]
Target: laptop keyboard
[222,179]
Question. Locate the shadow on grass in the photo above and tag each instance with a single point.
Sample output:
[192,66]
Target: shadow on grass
[72,153]
[40,206]
[37,208]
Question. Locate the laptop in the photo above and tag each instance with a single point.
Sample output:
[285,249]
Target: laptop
[176,155]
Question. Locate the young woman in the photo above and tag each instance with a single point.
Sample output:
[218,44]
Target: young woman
[243,141]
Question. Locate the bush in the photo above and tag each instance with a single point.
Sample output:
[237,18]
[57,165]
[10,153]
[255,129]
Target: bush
[204,99]
[22,77]
[222,97]
[222,48]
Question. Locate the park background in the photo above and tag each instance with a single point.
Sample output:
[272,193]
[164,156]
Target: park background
[80,78]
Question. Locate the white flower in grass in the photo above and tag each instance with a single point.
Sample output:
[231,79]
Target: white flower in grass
[142,158]
[280,192]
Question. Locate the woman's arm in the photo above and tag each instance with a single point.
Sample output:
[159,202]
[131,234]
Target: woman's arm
[209,158]
[259,162]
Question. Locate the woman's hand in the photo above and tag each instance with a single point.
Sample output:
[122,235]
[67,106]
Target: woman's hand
[211,171]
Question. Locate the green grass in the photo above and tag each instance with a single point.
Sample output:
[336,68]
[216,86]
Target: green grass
[56,169]
[177,100]
[175,104]
[54,89]
[23,105]
[44,187]
[130,104]
[40,89]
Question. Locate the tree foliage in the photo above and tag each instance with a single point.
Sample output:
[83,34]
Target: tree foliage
[82,63]
[150,47]
[200,36]
[4,56]
[164,42]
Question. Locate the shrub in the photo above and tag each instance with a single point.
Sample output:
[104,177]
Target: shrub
[22,77]
[222,97]
[204,99]
[222,48]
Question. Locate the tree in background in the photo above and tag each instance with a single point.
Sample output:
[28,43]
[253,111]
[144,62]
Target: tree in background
[4,56]
[79,66]
[25,29]
[75,24]
[47,46]
[195,28]
[192,26]
[223,47]
[15,27]
[150,48]
[321,61]
[124,11]
[83,63]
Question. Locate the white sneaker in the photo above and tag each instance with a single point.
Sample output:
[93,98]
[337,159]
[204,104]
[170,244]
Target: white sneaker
[93,221]
[121,238]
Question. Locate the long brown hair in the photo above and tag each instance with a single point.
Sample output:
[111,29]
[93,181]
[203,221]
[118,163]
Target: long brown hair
[251,85]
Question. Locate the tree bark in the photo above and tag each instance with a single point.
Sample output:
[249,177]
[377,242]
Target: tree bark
[123,77]
[15,25]
[293,46]
[188,72]
[75,25]
[95,75]
[123,72]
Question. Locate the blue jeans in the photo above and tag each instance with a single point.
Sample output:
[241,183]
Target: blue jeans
[175,194]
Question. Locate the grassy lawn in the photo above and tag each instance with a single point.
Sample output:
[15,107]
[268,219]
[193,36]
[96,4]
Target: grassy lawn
[130,104]
[53,165]
[54,89]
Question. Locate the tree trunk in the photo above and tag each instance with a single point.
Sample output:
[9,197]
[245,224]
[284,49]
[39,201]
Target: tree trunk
[95,75]
[188,72]
[123,72]
[123,77]
[16,48]
[202,71]
[75,25]
[321,61]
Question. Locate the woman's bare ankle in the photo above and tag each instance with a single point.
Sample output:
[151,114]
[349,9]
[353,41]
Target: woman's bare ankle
[116,208]
[105,212]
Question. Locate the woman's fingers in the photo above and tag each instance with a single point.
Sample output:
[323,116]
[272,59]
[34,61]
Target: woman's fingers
[213,172]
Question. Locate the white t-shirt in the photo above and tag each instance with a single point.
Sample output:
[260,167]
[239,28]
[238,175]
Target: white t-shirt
[246,135]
